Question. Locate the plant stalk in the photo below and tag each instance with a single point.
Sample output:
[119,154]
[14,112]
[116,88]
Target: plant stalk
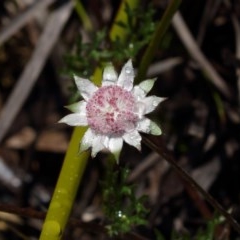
[163,152]
[156,39]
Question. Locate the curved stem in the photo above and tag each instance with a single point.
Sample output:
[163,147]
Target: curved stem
[162,151]
[83,16]
[156,39]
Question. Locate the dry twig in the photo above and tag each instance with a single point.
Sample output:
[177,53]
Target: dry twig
[32,70]
[193,49]
[22,19]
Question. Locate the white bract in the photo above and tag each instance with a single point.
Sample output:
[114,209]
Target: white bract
[113,112]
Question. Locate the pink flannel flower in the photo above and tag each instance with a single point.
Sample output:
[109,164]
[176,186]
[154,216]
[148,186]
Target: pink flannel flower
[114,112]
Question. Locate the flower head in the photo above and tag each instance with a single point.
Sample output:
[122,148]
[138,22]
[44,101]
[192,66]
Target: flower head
[114,112]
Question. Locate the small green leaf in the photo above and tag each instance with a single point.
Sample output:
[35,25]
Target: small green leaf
[155,129]
[147,85]
[74,107]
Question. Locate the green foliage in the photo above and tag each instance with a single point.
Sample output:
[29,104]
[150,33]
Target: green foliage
[159,235]
[123,210]
[208,233]
[139,28]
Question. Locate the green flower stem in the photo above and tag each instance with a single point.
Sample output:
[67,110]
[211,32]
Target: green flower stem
[156,39]
[83,16]
[66,188]
[74,163]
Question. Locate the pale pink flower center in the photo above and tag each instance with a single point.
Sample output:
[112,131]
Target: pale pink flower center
[110,111]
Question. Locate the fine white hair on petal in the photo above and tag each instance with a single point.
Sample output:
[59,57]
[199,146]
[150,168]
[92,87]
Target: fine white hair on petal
[106,141]
[78,107]
[109,75]
[144,125]
[85,87]
[75,119]
[138,93]
[151,103]
[97,144]
[115,146]
[87,140]
[140,109]
[133,138]
[126,77]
